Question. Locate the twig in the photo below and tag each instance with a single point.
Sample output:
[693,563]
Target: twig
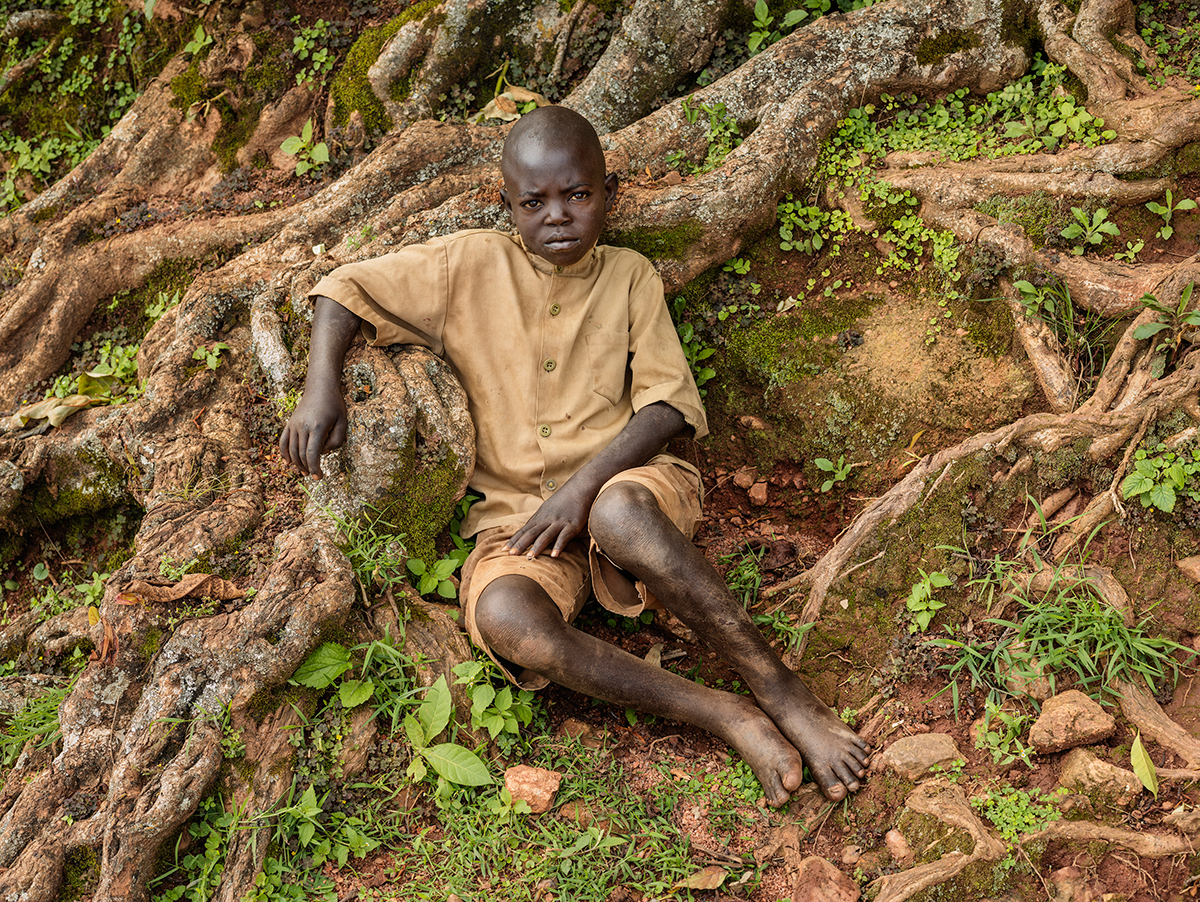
[564,38]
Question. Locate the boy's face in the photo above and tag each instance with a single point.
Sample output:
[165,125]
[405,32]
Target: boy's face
[558,200]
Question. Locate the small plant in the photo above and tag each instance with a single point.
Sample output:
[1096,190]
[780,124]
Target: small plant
[1015,812]
[306,46]
[744,575]
[837,472]
[197,875]
[762,35]
[723,136]
[37,722]
[199,42]
[436,577]
[160,305]
[696,351]
[310,157]
[1167,211]
[737,265]
[1132,249]
[1089,231]
[500,711]
[210,356]
[1176,321]
[452,763]
[921,603]
[1001,735]
[1161,479]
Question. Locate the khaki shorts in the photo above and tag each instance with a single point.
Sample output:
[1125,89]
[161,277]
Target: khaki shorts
[582,567]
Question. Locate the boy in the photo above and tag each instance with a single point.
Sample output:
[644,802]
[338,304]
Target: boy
[576,382]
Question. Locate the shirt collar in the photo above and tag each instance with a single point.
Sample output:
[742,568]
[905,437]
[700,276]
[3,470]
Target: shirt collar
[576,270]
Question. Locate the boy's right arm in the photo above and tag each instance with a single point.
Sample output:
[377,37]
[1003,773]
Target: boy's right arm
[318,424]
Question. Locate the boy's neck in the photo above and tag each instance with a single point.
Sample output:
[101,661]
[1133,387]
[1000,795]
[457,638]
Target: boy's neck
[579,268]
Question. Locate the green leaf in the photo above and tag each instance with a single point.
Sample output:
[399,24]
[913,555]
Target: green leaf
[1136,484]
[305,832]
[291,145]
[306,134]
[149,9]
[1147,329]
[761,10]
[434,712]
[457,764]
[354,692]
[1162,496]
[415,733]
[1143,767]
[320,153]
[323,666]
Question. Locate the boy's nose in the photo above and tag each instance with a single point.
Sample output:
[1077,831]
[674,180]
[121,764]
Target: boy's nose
[557,213]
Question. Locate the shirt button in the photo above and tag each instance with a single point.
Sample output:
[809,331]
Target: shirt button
[555,309]
[544,431]
[558,269]
[551,484]
[549,365]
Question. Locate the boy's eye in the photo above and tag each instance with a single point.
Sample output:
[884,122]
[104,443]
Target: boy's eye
[580,195]
[531,204]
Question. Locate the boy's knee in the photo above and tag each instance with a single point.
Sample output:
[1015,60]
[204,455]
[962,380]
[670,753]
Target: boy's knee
[518,620]
[617,508]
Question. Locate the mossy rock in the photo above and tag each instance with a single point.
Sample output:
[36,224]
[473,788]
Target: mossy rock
[657,244]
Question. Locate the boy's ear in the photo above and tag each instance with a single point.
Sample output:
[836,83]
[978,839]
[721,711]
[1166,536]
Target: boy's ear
[504,200]
[610,191]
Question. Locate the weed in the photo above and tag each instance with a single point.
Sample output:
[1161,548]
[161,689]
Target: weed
[310,157]
[210,356]
[1001,735]
[1015,812]
[1089,231]
[36,722]
[838,472]
[1176,321]
[744,575]
[197,875]
[921,603]
[1132,249]
[696,351]
[723,135]
[307,46]
[500,711]
[1081,334]
[762,35]
[1161,479]
[200,42]
[1167,211]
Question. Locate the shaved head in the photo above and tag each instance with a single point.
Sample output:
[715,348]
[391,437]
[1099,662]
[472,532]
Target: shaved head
[552,127]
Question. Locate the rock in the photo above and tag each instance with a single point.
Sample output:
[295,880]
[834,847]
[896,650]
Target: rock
[586,815]
[1068,720]
[914,756]
[671,179]
[899,848]
[1070,885]
[1190,566]
[1034,684]
[745,477]
[1084,772]
[755,424]
[758,494]
[589,737]
[851,854]
[819,881]
[535,785]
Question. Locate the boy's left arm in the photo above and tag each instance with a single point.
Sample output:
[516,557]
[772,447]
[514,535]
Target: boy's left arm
[564,514]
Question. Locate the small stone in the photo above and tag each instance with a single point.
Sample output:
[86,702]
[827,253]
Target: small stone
[1068,720]
[745,477]
[534,785]
[893,284]
[914,756]
[851,854]
[819,881]
[671,179]
[1190,567]
[899,848]
[758,494]
[575,729]
[1084,772]
[588,815]
[756,424]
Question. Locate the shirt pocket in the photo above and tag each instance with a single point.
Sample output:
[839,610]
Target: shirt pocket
[608,354]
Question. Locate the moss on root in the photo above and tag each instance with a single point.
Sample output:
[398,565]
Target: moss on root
[657,244]
[933,50]
[352,91]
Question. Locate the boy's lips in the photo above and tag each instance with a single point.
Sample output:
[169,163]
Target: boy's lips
[561,243]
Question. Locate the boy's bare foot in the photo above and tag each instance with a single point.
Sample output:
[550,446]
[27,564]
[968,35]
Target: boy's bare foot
[778,765]
[835,755]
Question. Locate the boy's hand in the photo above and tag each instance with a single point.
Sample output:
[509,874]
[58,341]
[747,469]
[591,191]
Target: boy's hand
[317,425]
[561,518]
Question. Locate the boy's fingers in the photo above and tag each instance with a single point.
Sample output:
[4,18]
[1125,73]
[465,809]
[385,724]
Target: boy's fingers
[315,443]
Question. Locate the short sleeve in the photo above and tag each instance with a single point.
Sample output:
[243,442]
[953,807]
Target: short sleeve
[659,369]
[401,297]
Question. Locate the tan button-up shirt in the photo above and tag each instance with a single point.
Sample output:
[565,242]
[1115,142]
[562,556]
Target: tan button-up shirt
[554,360]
